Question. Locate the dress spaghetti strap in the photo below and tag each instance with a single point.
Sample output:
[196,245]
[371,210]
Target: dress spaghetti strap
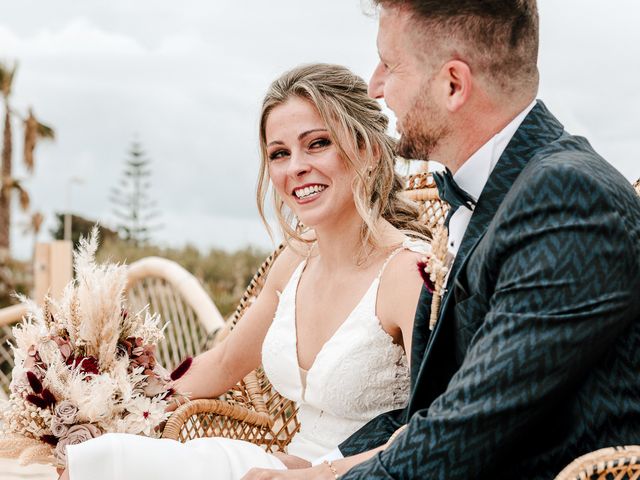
[389,258]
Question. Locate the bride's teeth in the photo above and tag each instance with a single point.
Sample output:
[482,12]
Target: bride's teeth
[305,192]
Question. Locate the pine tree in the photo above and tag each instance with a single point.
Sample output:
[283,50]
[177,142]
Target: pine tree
[133,206]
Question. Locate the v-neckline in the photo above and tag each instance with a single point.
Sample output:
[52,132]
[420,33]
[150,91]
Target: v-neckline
[302,267]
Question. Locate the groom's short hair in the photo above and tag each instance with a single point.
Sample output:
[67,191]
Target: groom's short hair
[497,38]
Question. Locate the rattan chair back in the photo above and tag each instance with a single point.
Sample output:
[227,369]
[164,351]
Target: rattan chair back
[171,291]
[421,188]
[9,316]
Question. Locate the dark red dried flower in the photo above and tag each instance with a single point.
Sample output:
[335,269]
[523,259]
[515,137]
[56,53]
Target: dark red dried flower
[425,276]
[88,365]
[168,393]
[48,397]
[50,439]
[36,384]
[181,369]
[37,401]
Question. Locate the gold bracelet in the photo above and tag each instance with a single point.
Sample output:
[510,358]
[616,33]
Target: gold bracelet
[332,468]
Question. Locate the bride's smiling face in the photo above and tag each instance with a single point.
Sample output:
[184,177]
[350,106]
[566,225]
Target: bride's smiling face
[305,166]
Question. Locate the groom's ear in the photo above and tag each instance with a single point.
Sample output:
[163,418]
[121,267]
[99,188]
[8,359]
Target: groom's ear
[455,81]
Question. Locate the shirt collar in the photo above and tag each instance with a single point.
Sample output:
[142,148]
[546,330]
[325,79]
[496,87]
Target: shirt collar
[474,173]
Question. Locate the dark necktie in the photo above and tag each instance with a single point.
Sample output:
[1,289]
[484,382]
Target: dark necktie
[451,193]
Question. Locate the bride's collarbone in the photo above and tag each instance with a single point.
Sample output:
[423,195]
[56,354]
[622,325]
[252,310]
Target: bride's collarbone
[324,303]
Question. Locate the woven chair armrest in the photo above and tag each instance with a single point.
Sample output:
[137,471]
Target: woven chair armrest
[213,407]
[620,463]
[12,314]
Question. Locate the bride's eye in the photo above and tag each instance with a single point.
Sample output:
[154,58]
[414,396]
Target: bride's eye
[276,154]
[320,143]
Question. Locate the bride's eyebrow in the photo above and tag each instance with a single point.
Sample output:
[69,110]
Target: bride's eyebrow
[300,137]
[309,132]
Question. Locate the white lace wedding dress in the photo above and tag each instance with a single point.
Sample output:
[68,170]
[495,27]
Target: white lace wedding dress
[358,374]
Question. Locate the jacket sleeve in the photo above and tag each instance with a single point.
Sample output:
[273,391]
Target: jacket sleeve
[564,275]
[373,434]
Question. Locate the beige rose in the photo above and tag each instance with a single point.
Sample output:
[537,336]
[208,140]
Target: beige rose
[66,412]
[76,434]
[58,428]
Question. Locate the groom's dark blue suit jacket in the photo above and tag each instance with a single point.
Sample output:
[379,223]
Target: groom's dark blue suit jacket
[535,359]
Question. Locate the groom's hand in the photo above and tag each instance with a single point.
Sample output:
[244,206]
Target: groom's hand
[291,461]
[314,473]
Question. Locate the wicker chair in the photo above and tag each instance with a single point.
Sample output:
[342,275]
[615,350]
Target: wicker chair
[421,188]
[615,463]
[254,411]
[169,290]
[8,317]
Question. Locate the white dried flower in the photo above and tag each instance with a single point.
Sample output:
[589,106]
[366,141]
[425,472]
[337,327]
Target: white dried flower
[145,414]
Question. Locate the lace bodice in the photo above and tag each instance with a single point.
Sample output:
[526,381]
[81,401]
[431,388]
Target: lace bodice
[358,373]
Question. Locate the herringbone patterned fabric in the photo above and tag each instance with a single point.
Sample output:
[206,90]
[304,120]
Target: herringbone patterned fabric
[535,357]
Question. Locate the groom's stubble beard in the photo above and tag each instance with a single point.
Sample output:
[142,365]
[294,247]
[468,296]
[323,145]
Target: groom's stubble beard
[423,128]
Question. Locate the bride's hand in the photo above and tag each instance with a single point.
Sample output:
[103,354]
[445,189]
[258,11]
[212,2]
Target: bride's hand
[291,461]
[176,402]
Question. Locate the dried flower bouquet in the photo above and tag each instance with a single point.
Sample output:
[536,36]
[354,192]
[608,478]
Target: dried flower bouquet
[84,366]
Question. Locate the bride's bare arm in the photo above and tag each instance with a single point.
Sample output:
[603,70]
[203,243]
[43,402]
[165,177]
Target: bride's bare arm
[217,370]
[400,288]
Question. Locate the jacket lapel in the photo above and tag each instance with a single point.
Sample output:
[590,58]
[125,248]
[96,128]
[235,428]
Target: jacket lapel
[538,129]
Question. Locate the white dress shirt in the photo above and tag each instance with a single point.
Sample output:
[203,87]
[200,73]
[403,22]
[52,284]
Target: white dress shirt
[472,176]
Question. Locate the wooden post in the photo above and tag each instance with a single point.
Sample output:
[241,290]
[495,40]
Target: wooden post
[52,269]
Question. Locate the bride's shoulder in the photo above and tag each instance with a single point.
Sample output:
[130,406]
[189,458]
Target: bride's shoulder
[294,253]
[401,278]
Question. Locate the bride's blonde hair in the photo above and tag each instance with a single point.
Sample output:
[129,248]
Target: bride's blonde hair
[358,128]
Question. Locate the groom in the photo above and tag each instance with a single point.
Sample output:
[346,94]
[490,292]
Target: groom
[534,359]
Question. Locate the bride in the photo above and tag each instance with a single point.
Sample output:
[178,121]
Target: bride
[334,319]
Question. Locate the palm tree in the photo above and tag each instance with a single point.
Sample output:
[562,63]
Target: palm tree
[34,130]
[32,226]
[6,81]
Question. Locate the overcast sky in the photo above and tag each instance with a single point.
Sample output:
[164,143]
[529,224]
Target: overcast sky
[187,79]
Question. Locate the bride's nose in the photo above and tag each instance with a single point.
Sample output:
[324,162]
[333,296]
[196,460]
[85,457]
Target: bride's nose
[298,165]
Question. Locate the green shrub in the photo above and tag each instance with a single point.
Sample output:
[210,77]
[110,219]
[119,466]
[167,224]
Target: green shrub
[224,275]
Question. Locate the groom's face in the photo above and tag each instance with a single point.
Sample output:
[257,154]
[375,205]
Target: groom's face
[405,78]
